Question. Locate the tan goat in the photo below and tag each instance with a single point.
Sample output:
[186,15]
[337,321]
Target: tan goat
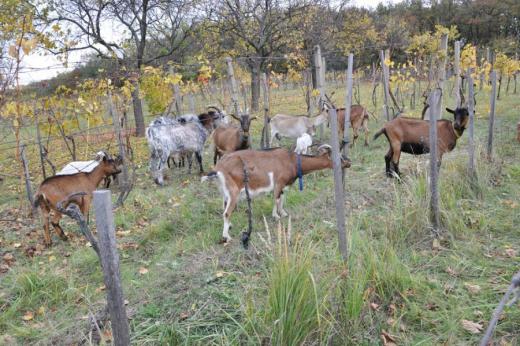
[67,188]
[268,170]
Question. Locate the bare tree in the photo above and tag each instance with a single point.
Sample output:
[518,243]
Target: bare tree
[142,32]
[260,27]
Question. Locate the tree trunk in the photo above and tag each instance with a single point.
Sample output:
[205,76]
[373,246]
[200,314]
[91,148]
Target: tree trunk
[255,86]
[138,111]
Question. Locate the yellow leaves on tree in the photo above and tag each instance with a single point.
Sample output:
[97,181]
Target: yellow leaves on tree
[156,86]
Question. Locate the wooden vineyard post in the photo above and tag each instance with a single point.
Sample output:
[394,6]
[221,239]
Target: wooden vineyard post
[265,132]
[442,70]
[320,78]
[338,185]
[385,81]
[124,186]
[233,85]
[27,178]
[457,75]
[110,263]
[348,104]
[492,103]
[176,94]
[471,127]
[435,100]
[191,101]
[40,146]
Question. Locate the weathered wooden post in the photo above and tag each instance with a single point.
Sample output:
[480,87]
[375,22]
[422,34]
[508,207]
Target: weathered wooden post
[176,94]
[318,65]
[338,185]
[471,127]
[40,146]
[492,103]
[435,102]
[110,264]
[233,86]
[442,69]
[348,104]
[191,101]
[27,177]
[385,80]
[123,180]
[265,132]
[457,75]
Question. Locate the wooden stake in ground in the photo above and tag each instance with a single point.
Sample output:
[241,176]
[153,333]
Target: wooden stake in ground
[123,180]
[456,71]
[27,177]
[492,103]
[110,263]
[338,185]
[40,146]
[320,78]
[386,88]
[233,86]
[434,160]
[348,104]
[176,95]
[471,127]
[265,130]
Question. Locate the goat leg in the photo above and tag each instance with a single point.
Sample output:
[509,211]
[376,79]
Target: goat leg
[198,156]
[57,228]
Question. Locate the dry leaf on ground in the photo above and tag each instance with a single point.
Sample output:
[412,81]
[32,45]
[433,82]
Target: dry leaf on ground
[472,327]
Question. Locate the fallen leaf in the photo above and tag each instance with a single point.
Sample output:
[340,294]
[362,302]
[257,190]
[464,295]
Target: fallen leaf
[100,288]
[41,310]
[374,306]
[472,288]
[29,315]
[388,339]
[219,274]
[436,245]
[432,306]
[472,327]
[4,268]
[184,315]
[8,258]
[17,245]
[107,334]
[125,302]
[143,270]
[510,252]
[52,258]
[452,272]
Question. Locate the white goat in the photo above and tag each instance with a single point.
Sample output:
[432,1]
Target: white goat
[294,126]
[303,143]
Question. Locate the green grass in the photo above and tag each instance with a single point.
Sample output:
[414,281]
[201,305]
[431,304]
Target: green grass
[199,292]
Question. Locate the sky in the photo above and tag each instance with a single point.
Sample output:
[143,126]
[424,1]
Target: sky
[38,67]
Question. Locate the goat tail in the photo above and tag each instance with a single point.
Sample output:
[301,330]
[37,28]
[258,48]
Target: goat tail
[210,176]
[38,199]
[379,133]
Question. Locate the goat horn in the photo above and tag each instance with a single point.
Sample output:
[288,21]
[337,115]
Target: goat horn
[234,116]
[215,108]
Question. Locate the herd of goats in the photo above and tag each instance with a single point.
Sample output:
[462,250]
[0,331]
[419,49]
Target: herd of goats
[174,140]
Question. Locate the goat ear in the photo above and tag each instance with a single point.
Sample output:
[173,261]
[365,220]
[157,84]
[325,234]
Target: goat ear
[450,110]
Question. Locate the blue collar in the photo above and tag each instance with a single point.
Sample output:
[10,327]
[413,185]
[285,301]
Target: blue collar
[299,170]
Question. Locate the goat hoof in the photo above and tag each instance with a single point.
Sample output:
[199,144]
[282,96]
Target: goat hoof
[64,237]
[284,213]
[225,240]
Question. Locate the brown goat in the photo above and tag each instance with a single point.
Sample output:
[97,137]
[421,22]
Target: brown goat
[228,139]
[412,136]
[63,188]
[358,121]
[268,170]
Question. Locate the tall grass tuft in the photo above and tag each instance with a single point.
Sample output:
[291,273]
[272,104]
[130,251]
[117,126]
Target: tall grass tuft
[293,304]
